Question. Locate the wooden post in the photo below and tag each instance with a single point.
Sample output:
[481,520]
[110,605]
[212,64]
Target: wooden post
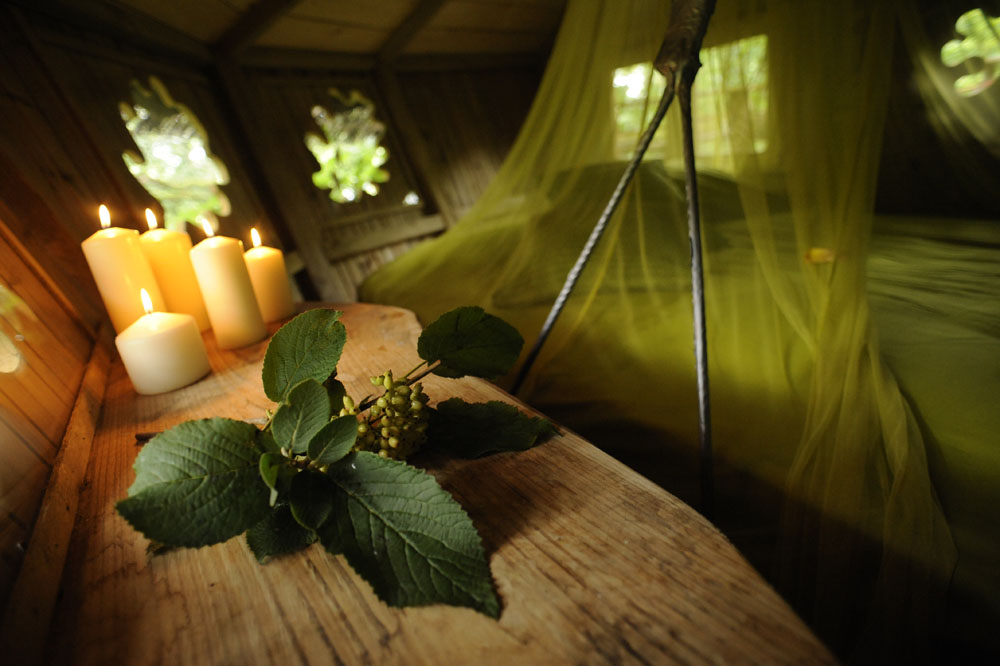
[399,115]
[264,167]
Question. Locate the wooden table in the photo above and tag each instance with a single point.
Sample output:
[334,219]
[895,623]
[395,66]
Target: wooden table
[594,564]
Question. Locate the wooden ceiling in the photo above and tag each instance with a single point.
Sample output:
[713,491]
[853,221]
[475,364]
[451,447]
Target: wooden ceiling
[367,27]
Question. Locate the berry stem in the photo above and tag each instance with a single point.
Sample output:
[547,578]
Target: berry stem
[431,368]
[414,369]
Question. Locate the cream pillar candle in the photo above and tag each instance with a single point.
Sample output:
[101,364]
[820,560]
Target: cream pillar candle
[168,254]
[227,291]
[270,281]
[162,351]
[120,270]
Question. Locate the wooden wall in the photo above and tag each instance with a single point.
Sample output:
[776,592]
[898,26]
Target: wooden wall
[459,126]
[67,84]
[44,349]
[447,132]
[469,119]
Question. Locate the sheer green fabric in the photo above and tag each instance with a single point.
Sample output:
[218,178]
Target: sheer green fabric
[806,402]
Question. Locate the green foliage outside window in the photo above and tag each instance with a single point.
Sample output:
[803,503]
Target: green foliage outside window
[980,42]
[738,68]
[176,166]
[349,154]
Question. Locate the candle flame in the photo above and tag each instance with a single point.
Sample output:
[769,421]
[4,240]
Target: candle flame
[151,219]
[147,302]
[255,236]
[207,226]
[105,216]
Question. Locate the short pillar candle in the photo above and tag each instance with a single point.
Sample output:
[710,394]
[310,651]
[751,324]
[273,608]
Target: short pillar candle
[227,291]
[162,351]
[270,280]
[120,270]
[168,252]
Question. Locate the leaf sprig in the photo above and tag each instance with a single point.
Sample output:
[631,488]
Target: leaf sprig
[318,472]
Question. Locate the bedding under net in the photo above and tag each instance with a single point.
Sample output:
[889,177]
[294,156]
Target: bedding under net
[853,358]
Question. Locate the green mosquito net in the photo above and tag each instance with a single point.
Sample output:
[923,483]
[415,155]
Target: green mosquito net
[853,358]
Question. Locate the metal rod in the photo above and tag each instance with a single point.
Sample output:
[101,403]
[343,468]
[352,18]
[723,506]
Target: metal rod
[697,295]
[595,235]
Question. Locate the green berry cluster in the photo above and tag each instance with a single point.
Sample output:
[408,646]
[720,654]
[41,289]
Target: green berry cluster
[396,424]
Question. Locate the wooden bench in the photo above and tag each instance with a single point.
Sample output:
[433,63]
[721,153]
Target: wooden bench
[593,563]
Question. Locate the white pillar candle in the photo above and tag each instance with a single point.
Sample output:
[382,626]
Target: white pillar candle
[168,252]
[270,280]
[162,351]
[120,270]
[227,291]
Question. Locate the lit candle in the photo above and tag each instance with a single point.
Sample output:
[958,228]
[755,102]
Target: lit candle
[270,281]
[162,351]
[227,290]
[168,254]
[120,270]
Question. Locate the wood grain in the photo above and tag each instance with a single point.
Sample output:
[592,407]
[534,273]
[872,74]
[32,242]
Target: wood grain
[594,564]
[32,599]
[50,348]
[470,119]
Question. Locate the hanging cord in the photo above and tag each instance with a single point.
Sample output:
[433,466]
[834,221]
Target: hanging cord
[677,58]
[705,463]
[595,235]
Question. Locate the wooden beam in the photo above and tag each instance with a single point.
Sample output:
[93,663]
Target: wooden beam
[405,230]
[410,26]
[266,57]
[416,147]
[417,150]
[264,166]
[121,24]
[436,62]
[250,25]
[282,58]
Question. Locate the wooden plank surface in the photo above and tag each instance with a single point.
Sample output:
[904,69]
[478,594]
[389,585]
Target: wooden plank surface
[593,563]
[32,600]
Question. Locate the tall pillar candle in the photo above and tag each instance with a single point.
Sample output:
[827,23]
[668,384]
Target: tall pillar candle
[168,252]
[270,280]
[162,351]
[120,270]
[227,291]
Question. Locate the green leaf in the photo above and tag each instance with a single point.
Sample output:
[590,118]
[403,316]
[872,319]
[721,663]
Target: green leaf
[468,341]
[307,347]
[336,392]
[276,473]
[265,441]
[197,484]
[471,430]
[305,414]
[334,441]
[278,534]
[311,498]
[406,536]
[270,464]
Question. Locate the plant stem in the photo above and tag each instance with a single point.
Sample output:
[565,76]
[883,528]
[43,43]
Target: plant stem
[414,369]
[423,374]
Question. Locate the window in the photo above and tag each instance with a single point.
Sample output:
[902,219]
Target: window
[349,155]
[176,166]
[731,74]
[980,44]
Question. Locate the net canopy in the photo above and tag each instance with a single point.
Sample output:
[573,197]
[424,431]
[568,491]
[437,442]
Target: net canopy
[852,356]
